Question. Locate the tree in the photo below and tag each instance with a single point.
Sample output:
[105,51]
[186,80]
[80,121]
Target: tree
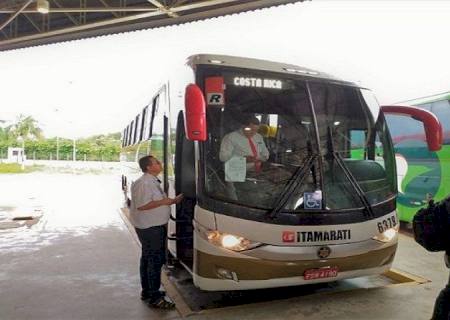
[26,127]
[6,140]
[4,133]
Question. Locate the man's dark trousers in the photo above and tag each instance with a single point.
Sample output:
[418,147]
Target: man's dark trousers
[442,305]
[153,257]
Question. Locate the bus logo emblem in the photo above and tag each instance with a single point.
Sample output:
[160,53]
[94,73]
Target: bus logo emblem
[323,252]
[288,236]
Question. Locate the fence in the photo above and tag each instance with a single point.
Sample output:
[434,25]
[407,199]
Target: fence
[64,156]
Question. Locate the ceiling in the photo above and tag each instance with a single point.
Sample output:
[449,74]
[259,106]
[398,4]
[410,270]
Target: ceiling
[21,25]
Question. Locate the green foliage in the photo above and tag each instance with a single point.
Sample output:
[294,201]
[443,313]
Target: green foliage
[105,147]
[26,127]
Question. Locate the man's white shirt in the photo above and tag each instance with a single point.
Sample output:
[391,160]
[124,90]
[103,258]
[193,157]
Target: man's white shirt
[145,189]
[236,144]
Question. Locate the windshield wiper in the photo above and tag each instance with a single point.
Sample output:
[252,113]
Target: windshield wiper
[294,182]
[349,175]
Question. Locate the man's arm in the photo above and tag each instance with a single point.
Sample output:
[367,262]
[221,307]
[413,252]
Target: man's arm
[157,203]
[226,149]
[142,196]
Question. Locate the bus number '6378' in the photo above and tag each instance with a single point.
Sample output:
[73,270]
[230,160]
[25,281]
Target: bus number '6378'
[386,224]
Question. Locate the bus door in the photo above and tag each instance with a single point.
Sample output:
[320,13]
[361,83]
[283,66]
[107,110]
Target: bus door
[185,184]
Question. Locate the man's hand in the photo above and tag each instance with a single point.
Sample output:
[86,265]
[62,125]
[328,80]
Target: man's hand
[162,202]
[170,201]
[250,158]
[178,198]
[166,202]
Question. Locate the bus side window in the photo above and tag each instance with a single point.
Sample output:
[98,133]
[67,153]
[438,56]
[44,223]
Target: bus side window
[357,142]
[144,116]
[157,127]
[154,110]
[136,129]
[131,132]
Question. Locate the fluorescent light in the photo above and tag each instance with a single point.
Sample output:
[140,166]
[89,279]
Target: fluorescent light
[216,61]
[43,6]
[300,71]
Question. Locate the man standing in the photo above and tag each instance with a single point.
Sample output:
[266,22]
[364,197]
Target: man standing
[149,214]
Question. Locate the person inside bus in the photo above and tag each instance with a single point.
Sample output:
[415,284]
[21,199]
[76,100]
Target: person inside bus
[149,214]
[247,143]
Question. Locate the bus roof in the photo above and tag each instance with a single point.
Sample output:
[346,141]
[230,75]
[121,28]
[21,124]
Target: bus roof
[257,64]
[428,99]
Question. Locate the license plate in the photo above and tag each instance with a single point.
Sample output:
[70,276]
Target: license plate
[312,274]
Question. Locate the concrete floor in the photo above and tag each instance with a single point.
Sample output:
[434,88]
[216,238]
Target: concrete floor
[81,262]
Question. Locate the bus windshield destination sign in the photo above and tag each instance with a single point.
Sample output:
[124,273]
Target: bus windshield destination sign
[257,83]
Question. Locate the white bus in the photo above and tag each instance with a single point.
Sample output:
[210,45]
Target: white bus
[322,207]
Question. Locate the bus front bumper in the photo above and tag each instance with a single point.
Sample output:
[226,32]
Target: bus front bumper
[251,273]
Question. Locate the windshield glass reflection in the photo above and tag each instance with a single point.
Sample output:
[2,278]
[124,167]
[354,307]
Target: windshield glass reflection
[260,139]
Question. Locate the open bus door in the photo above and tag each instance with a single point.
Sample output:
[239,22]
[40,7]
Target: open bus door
[194,129]
[185,184]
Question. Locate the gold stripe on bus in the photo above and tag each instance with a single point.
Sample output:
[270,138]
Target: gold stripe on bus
[249,269]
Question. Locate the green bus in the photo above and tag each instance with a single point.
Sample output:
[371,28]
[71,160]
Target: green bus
[422,174]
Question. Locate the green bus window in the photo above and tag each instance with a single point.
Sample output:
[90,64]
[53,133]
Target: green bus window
[357,142]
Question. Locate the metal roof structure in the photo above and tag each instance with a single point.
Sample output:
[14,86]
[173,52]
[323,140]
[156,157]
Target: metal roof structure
[25,23]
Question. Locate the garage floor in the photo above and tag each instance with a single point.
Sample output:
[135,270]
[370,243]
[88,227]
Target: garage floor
[80,261]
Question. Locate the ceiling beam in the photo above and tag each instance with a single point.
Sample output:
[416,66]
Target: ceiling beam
[32,22]
[107,6]
[146,20]
[13,16]
[88,26]
[69,16]
[204,4]
[4,34]
[163,8]
[61,9]
[179,3]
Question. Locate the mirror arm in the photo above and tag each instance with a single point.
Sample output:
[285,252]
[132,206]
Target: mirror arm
[433,128]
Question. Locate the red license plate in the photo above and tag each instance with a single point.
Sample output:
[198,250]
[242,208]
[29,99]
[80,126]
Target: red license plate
[312,274]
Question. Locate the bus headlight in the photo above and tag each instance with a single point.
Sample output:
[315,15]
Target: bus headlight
[230,241]
[387,235]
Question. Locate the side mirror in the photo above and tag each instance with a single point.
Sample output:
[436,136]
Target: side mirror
[433,128]
[195,107]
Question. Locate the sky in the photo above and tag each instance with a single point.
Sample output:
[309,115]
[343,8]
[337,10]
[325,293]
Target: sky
[399,49]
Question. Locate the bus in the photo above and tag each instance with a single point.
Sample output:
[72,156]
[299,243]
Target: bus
[322,205]
[423,174]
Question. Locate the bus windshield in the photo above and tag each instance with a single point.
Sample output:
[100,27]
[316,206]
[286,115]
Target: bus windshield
[355,145]
[263,149]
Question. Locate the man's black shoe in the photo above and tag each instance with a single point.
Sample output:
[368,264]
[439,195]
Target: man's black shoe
[161,303]
[145,297]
